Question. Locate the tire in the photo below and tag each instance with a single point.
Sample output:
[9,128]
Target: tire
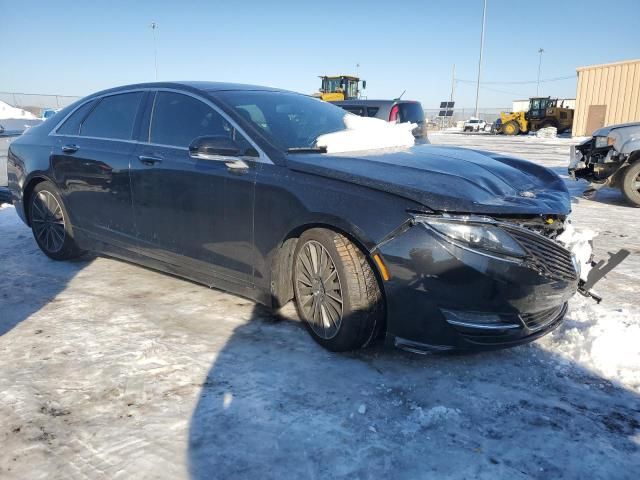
[631,184]
[342,307]
[50,223]
[511,128]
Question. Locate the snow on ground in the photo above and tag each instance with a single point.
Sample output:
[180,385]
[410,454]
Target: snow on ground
[7,111]
[110,370]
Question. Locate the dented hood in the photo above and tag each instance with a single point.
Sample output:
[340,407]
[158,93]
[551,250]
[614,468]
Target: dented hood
[447,179]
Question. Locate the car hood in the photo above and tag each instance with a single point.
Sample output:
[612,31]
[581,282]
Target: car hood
[603,132]
[447,179]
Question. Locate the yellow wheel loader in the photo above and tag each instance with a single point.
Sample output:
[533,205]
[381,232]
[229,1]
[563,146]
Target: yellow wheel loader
[340,87]
[543,112]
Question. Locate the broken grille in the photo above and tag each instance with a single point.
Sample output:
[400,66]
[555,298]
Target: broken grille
[551,258]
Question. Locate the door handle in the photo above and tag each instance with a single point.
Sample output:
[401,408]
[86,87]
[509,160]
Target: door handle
[70,148]
[149,161]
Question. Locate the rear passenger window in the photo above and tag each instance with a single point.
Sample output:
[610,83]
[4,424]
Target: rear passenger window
[179,119]
[113,117]
[71,126]
[372,111]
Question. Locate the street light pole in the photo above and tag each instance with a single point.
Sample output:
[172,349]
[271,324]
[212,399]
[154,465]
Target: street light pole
[484,16]
[540,51]
[153,26]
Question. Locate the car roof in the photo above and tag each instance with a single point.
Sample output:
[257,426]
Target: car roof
[373,102]
[193,85]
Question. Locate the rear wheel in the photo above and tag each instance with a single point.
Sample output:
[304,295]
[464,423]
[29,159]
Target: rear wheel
[50,224]
[511,128]
[337,293]
[631,184]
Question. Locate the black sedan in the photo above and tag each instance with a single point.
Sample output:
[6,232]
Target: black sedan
[436,248]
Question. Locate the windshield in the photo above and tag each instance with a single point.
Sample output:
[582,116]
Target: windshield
[288,120]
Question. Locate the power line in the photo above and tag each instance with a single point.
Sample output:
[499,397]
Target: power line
[519,82]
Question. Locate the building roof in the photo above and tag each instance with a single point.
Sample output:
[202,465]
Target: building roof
[603,65]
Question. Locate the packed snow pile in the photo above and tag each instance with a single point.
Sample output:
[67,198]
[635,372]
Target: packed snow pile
[599,340]
[364,133]
[547,132]
[7,111]
[580,244]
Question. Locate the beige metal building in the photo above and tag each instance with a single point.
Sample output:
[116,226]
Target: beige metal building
[607,94]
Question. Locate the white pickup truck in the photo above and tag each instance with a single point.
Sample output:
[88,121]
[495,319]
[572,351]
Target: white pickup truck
[474,125]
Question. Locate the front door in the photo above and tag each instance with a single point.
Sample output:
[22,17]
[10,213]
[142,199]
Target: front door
[193,213]
[595,118]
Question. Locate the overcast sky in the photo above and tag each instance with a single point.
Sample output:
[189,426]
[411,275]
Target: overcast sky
[76,48]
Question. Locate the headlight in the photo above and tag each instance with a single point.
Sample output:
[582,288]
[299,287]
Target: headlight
[477,236]
[603,142]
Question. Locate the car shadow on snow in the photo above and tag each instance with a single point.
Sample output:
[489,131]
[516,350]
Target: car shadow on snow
[29,280]
[276,405]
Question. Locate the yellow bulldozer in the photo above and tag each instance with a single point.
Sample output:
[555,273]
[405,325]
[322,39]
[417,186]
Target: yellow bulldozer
[543,112]
[340,87]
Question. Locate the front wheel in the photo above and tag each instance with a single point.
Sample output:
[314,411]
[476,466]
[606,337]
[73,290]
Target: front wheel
[631,184]
[50,224]
[511,128]
[337,292]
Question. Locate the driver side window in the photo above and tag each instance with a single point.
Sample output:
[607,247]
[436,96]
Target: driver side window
[178,119]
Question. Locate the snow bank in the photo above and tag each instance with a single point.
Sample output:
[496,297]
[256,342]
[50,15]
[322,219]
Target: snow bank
[601,340]
[547,132]
[363,133]
[580,243]
[7,111]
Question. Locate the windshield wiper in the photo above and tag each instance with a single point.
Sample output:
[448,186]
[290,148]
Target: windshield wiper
[307,150]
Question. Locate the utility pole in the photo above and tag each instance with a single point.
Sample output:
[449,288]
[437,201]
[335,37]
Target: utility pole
[453,81]
[540,51]
[453,87]
[153,26]
[484,16]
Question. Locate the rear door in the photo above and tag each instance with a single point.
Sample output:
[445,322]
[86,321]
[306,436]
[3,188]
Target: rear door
[194,213]
[91,163]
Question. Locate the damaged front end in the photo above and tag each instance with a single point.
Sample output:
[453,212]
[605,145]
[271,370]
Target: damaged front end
[610,159]
[596,161]
[478,281]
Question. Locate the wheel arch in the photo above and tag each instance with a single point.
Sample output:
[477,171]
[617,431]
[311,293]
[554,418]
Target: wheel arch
[30,186]
[282,259]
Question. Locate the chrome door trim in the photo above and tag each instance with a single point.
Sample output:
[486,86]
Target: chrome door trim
[261,158]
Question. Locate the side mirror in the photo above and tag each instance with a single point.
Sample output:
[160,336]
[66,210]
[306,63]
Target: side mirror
[364,84]
[214,146]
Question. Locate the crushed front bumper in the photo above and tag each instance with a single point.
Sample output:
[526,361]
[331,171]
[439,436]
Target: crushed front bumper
[443,297]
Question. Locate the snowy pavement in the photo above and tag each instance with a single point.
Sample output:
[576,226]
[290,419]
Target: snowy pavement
[110,370]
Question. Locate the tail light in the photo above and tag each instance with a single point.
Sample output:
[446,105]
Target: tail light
[394,114]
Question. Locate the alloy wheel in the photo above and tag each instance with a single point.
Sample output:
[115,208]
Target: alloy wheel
[47,220]
[319,290]
[636,183]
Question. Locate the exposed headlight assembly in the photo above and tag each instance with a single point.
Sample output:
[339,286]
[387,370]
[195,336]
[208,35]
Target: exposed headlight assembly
[481,235]
[603,142]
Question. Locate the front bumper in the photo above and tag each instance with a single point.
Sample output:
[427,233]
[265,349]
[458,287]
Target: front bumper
[437,290]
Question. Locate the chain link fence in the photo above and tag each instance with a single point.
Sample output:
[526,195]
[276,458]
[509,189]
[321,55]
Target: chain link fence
[36,102]
[489,115]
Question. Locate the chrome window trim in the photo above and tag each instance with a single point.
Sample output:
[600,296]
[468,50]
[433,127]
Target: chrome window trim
[261,158]
[54,131]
